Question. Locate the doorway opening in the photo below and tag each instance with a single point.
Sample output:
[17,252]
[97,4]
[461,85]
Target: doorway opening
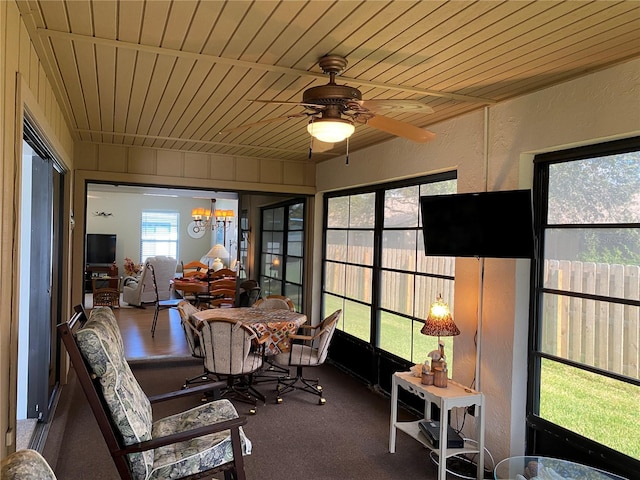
[40,292]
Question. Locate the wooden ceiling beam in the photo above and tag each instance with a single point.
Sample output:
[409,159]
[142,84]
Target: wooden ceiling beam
[252,65]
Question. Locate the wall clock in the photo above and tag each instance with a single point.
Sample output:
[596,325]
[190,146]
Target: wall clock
[195,231]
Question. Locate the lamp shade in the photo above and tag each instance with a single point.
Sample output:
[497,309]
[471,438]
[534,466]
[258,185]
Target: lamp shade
[197,213]
[330,130]
[439,322]
[217,251]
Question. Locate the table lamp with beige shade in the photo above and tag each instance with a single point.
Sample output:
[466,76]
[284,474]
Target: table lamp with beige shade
[439,323]
[217,252]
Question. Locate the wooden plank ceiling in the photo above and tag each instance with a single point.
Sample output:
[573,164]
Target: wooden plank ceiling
[174,74]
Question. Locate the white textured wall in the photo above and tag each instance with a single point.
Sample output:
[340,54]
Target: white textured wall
[601,106]
[124,221]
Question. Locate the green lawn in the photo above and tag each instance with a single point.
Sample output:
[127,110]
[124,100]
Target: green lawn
[596,407]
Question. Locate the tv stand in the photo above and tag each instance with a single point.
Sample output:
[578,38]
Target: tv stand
[93,271]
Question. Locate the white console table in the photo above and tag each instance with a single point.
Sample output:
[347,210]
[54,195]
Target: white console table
[455,395]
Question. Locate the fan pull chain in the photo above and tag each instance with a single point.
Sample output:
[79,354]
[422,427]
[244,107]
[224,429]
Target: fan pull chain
[347,159]
[311,142]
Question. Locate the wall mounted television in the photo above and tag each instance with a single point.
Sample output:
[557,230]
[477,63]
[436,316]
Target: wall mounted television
[101,248]
[487,224]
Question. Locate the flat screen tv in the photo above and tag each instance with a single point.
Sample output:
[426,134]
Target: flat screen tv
[488,224]
[101,248]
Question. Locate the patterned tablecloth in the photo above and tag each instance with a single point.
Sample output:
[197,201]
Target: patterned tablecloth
[279,324]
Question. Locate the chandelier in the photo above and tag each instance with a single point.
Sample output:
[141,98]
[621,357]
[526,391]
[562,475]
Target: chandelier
[205,219]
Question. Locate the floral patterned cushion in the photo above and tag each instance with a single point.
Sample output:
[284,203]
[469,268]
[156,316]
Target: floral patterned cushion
[26,464]
[199,454]
[101,345]
[105,315]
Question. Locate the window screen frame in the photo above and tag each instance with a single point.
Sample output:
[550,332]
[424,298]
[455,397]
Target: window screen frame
[376,308]
[541,432]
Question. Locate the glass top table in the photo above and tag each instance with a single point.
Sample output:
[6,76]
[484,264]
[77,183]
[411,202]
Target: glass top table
[543,468]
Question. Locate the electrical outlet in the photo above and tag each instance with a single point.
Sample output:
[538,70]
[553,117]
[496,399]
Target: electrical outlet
[471,410]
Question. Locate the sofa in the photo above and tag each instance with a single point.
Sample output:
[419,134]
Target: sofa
[139,290]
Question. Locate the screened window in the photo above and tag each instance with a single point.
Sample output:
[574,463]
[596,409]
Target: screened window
[282,251]
[159,234]
[587,319]
[375,268]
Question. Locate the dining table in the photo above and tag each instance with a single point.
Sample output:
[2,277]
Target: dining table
[275,325]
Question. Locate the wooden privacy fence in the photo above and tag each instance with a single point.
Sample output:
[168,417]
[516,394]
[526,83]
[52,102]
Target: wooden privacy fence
[599,334]
[398,288]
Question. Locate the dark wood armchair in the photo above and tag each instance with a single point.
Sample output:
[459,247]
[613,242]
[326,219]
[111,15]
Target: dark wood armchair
[210,433]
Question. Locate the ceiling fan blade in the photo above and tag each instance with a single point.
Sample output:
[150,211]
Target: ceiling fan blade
[382,105]
[277,102]
[263,122]
[401,129]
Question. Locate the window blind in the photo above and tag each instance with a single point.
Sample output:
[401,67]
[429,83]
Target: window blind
[159,234]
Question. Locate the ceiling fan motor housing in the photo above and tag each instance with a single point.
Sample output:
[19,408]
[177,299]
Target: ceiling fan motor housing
[331,94]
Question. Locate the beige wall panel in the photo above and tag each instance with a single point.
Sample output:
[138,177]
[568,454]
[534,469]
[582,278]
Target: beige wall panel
[34,65]
[271,171]
[223,167]
[112,158]
[169,163]
[196,165]
[5,283]
[86,156]
[293,173]
[25,52]
[49,101]
[42,85]
[128,164]
[141,160]
[8,325]
[247,169]
[310,174]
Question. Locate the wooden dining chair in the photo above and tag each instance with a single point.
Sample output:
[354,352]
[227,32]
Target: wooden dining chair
[194,269]
[222,273]
[222,297]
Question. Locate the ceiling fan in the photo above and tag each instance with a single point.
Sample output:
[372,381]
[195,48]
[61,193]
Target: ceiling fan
[335,110]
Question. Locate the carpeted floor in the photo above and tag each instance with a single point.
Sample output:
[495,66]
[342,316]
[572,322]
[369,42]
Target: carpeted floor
[345,439]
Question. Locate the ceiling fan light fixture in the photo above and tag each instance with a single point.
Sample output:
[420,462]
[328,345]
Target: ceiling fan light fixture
[330,130]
